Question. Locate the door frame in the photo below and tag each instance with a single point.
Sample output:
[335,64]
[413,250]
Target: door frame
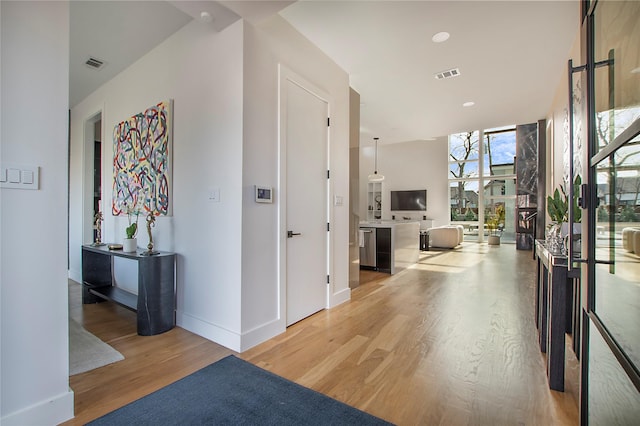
[88,153]
[285,74]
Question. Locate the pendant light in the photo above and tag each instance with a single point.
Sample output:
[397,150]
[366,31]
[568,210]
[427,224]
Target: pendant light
[375,177]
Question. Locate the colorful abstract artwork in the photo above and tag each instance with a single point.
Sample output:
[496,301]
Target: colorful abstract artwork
[141,163]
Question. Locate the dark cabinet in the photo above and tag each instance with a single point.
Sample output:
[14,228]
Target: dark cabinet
[383,249]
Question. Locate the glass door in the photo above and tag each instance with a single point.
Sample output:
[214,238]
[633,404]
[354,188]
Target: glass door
[611,349]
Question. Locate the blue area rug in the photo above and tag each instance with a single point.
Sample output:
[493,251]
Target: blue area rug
[235,392]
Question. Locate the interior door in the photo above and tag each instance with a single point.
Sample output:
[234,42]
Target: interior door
[306,137]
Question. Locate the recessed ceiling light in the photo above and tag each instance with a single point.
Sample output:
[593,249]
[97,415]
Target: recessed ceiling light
[205,17]
[440,37]
[468,104]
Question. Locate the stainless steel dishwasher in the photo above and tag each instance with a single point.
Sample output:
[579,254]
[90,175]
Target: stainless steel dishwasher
[368,249]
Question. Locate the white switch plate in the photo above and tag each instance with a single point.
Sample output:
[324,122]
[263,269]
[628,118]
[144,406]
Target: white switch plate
[14,175]
[19,176]
[27,177]
[214,195]
[339,200]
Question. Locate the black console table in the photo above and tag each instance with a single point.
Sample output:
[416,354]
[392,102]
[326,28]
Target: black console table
[155,303]
[555,303]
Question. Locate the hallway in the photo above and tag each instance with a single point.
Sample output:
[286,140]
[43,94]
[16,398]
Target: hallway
[450,341]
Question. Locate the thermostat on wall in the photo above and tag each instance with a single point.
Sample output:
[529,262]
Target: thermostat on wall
[264,194]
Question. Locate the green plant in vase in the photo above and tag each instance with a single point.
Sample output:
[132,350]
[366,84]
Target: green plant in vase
[558,204]
[130,244]
[558,210]
[132,229]
[495,224]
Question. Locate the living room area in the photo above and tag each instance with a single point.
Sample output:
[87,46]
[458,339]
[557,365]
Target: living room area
[473,180]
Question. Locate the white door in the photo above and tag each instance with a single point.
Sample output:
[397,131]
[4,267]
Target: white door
[306,138]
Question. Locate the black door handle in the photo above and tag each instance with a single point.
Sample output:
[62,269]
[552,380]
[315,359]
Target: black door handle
[291,234]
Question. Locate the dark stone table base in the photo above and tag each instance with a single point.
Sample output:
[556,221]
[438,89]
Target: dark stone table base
[155,303]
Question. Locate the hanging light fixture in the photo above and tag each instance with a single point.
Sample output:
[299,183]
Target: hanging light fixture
[375,177]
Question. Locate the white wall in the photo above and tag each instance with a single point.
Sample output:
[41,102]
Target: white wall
[225,91]
[558,128]
[275,42]
[407,166]
[202,71]
[34,339]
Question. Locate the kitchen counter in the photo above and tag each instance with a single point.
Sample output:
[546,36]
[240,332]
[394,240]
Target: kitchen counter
[397,245]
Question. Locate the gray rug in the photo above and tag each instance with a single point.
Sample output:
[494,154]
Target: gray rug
[87,352]
[235,392]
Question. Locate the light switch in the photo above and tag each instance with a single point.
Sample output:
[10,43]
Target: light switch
[27,177]
[339,201]
[19,176]
[14,175]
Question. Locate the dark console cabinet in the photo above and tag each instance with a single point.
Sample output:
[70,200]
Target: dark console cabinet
[383,249]
[155,303]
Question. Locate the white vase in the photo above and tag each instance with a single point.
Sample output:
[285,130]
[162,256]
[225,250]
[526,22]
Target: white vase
[130,244]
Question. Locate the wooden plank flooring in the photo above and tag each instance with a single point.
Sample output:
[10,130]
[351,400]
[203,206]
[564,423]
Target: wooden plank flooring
[451,341]
[150,362]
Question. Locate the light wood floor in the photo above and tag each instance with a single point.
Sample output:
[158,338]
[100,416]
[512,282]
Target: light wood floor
[451,341]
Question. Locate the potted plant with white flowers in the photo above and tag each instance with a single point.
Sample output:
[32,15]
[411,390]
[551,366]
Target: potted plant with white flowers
[130,244]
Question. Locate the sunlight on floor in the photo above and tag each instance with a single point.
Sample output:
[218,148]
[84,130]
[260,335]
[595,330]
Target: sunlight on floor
[436,260]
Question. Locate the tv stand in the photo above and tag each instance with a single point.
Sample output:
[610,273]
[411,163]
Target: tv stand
[155,303]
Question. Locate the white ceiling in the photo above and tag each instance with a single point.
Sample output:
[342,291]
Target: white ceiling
[511,54]
[118,33]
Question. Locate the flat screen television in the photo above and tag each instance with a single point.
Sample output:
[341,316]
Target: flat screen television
[409,200]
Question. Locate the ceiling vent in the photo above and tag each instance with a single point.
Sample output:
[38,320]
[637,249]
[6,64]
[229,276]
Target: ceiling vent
[448,74]
[94,63]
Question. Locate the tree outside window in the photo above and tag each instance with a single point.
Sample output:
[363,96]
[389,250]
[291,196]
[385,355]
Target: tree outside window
[463,166]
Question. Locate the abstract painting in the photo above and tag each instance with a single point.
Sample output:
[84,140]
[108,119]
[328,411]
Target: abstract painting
[142,163]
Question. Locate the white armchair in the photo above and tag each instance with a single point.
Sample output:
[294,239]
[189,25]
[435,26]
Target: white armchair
[448,236]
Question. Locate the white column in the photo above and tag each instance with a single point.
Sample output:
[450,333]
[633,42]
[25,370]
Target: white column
[481,186]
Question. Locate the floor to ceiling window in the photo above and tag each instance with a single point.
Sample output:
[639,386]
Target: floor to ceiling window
[464,181]
[500,180]
[489,165]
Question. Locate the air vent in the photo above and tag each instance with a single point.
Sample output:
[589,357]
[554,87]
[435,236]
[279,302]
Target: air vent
[448,74]
[94,63]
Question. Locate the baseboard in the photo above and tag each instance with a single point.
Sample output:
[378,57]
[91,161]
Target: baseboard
[340,297]
[227,338]
[51,412]
[262,333]
[215,333]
